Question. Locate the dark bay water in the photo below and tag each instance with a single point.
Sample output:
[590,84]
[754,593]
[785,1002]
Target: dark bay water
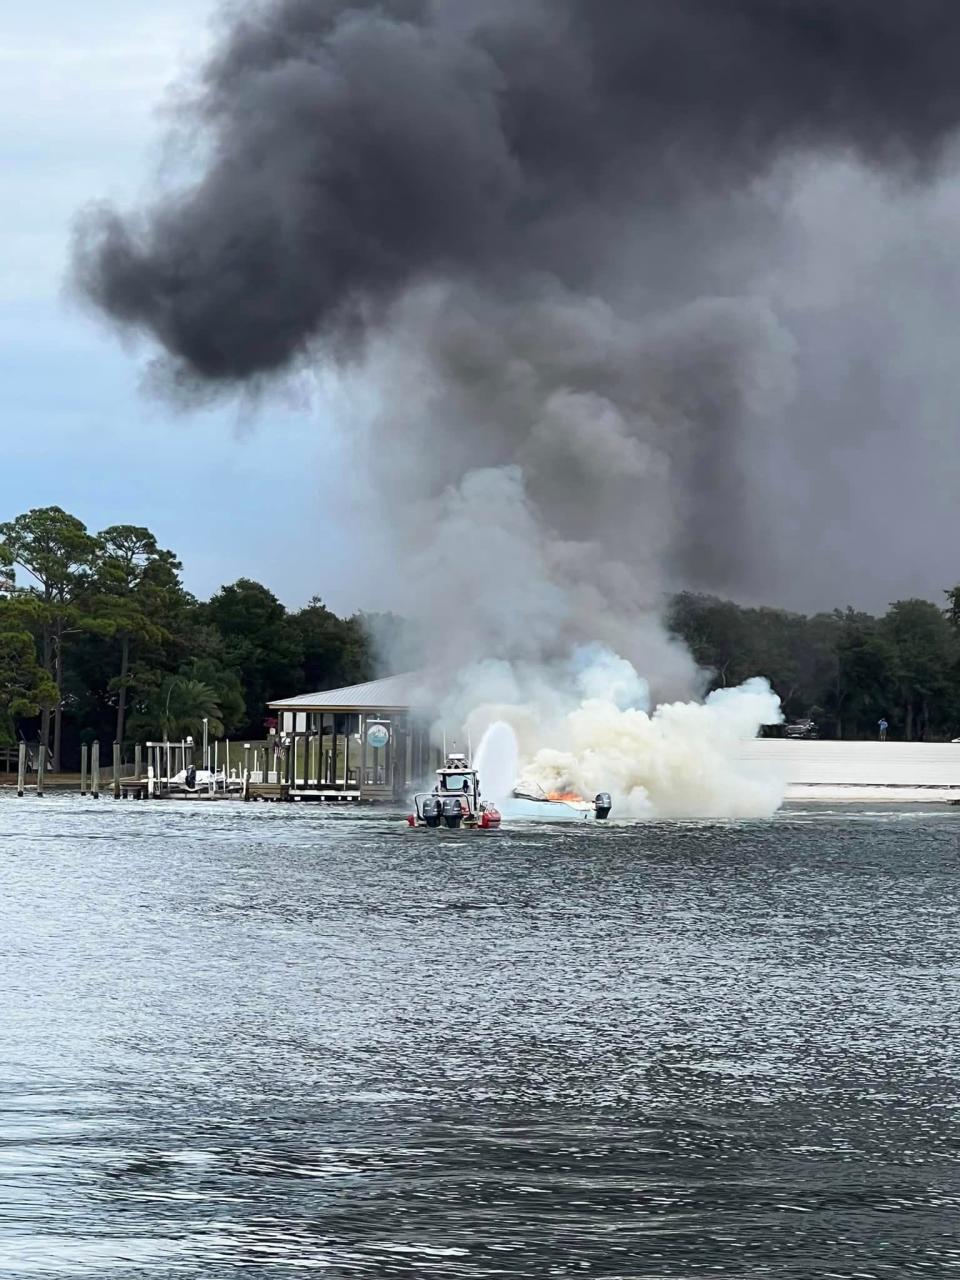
[269,1041]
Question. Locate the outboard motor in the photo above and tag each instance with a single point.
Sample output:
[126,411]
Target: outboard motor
[432,809]
[602,804]
[191,778]
[452,812]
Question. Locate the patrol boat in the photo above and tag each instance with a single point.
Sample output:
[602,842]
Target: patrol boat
[454,803]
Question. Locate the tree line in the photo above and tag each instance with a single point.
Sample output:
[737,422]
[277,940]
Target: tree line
[99,638]
[845,669]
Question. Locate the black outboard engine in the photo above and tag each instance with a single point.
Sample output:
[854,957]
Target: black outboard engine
[432,809]
[602,804]
[452,812]
[191,778]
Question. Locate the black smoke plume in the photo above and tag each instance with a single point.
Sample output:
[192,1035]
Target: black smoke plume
[356,147]
[560,178]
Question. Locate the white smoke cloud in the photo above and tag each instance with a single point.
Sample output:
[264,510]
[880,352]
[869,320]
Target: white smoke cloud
[584,727]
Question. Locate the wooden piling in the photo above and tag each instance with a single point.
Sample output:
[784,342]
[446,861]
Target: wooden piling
[84,750]
[116,771]
[95,770]
[137,760]
[22,769]
[41,768]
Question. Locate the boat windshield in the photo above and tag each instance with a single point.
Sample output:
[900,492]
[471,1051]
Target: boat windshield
[455,781]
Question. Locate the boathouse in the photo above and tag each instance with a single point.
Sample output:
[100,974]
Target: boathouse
[361,742]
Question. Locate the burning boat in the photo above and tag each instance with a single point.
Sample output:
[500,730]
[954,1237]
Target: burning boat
[454,803]
[562,806]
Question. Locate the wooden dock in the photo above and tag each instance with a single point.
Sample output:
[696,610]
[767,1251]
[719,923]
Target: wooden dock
[272,772]
[139,789]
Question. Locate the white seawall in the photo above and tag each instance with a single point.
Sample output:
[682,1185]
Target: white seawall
[897,771]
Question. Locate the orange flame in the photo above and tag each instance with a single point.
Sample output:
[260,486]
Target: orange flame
[564,795]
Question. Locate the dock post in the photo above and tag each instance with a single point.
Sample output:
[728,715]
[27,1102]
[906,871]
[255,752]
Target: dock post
[151,782]
[41,768]
[84,752]
[137,761]
[95,770]
[21,768]
[226,764]
[116,771]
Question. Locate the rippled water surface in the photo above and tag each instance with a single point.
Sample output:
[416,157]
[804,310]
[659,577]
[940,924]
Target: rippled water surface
[265,1040]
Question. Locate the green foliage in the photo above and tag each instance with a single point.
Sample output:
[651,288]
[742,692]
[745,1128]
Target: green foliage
[225,686]
[177,709]
[846,670]
[99,633]
[25,688]
[924,660]
[53,547]
[57,553]
[133,595]
[333,649]
[260,644]
[104,635]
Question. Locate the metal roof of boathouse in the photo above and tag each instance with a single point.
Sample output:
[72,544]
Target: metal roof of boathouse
[392,693]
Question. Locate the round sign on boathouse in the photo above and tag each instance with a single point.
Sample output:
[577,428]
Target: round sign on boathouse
[378,735]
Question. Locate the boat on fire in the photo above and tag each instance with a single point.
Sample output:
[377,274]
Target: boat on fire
[559,806]
[455,803]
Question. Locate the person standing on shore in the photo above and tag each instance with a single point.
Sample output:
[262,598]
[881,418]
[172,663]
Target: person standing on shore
[882,726]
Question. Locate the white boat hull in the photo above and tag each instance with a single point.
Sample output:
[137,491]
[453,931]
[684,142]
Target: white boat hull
[520,808]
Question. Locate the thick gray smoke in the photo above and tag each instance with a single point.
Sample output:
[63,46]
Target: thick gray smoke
[537,227]
[355,147]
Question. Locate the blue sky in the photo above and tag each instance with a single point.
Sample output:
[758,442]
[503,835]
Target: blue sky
[82,96]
